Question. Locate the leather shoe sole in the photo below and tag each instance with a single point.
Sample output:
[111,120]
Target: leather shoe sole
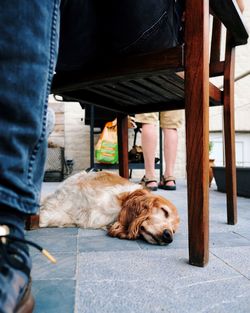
[27,303]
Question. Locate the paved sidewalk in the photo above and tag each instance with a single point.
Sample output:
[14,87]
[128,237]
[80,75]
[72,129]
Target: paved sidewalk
[96,273]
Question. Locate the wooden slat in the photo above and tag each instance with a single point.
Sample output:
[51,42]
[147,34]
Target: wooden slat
[115,92]
[175,82]
[129,67]
[145,93]
[159,103]
[174,92]
[153,94]
[132,91]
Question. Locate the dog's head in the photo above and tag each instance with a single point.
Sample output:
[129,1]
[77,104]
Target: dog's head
[148,215]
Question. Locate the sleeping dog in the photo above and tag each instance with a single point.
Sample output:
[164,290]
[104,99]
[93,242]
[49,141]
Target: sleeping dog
[106,200]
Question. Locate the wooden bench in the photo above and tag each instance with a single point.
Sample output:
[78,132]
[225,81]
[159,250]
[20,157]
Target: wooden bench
[155,82]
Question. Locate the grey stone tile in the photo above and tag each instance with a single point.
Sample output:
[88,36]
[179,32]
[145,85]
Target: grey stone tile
[153,296]
[239,305]
[180,242]
[170,265]
[53,231]
[91,232]
[236,257]
[105,243]
[153,281]
[65,268]
[56,243]
[219,224]
[214,296]
[245,232]
[122,296]
[229,239]
[54,296]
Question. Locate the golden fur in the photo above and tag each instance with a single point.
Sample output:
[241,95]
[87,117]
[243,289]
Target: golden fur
[102,199]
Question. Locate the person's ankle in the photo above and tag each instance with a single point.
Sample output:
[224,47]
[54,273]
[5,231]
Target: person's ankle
[152,184]
[169,182]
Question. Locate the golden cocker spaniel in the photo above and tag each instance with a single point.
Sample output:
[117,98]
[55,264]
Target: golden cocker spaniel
[106,200]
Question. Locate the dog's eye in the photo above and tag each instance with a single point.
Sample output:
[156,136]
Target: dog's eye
[142,228]
[165,212]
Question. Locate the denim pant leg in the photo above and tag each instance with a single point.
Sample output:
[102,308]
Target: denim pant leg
[28,51]
[94,31]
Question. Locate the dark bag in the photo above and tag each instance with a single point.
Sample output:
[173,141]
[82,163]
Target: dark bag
[135,155]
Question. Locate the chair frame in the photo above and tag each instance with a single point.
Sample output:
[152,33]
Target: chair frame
[99,87]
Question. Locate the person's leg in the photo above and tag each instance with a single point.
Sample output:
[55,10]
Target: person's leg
[170,152]
[102,30]
[149,143]
[28,50]
[140,26]
[170,121]
[82,42]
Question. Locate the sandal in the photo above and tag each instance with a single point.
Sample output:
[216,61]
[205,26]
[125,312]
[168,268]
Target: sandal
[165,180]
[145,181]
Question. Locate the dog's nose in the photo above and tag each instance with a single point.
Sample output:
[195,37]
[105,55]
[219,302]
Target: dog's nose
[167,236]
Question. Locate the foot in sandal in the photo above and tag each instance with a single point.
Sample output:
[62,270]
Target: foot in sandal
[167,183]
[149,183]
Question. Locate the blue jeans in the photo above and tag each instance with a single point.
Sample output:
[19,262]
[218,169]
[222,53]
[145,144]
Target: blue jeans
[28,53]
[102,30]
[91,31]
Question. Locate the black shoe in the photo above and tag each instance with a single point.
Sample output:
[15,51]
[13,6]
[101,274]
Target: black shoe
[15,268]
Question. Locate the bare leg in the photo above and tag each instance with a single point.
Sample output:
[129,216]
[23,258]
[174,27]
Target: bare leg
[149,141]
[170,152]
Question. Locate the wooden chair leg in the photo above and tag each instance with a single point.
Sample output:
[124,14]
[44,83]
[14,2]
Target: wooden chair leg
[197,129]
[122,130]
[32,222]
[229,134]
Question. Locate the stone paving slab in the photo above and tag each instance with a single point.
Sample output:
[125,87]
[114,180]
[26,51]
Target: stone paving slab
[229,239]
[53,231]
[91,232]
[236,257]
[53,296]
[105,243]
[155,281]
[65,268]
[152,296]
[59,243]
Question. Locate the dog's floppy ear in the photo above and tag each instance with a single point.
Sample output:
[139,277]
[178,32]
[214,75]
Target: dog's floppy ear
[133,213]
[130,196]
[134,227]
[117,230]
